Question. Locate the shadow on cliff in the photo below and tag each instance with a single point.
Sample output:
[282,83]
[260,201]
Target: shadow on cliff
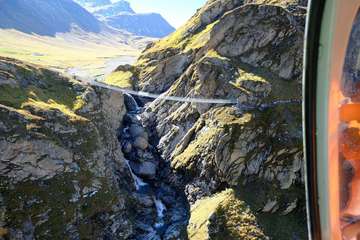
[45,17]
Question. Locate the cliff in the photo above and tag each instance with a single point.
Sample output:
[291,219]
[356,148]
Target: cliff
[90,163]
[61,167]
[249,52]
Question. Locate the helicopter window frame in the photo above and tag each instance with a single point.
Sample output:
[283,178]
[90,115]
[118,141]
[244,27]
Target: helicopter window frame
[323,63]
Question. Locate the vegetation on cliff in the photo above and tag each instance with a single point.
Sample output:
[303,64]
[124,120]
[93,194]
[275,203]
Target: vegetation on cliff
[240,166]
[223,216]
[251,52]
[59,156]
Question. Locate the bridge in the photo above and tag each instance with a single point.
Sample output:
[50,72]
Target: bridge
[165,97]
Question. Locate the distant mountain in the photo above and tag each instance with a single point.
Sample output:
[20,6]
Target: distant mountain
[93,3]
[120,15]
[113,9]
[147,24]
[46,17]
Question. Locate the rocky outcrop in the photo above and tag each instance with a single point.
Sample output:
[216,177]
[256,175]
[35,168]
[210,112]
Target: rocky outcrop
[249,52]
[223,216]
[61,167]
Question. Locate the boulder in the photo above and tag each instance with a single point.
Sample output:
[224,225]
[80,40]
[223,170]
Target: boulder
[138,131]
[127,147]
[141,143]
[270,206]
[144,200]
[174,232]
[145,169]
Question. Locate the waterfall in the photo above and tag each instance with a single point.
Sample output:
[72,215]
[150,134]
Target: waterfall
[160,209]
[131,103]
[126,130]
[153,224]
[160,206]
[137,181]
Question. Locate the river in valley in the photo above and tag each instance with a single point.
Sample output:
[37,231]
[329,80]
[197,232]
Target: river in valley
[162,211]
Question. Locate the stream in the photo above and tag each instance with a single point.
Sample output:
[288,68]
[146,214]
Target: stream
[161,211]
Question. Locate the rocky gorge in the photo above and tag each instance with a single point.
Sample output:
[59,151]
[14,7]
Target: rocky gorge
[248,154]
[161,210]
[82,162]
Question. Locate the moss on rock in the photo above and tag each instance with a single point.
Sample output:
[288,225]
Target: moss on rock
[40,89]
[61,153]
[122,79]
[223,217]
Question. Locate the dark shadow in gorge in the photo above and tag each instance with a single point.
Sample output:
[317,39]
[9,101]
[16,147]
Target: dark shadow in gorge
[161,210]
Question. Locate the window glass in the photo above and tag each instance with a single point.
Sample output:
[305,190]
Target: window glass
[349,138]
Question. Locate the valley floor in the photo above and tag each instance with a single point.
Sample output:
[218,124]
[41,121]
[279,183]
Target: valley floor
[76,53]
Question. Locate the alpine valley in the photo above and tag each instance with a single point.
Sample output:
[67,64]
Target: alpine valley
[79,161]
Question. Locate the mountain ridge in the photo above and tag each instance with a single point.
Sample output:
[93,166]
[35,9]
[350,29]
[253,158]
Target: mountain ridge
[46,17]
[120,15]
[141,24]
[113,9]
[93,3]
[63,35]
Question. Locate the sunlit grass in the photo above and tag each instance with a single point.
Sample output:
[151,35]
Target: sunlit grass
[54,93]
[179,38]
[201,38]
[52,105]
[200,213]
[120,79]
[23,99]
[232,216]
[62,52]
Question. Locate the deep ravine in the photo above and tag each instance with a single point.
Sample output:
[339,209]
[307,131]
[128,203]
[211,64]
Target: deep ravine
[161,211]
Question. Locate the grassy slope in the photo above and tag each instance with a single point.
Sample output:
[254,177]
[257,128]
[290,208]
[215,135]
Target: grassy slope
[89,52]
[55,93]
[120,79]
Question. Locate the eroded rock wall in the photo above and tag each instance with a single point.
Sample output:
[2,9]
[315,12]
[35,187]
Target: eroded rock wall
[250,52]
[61,168]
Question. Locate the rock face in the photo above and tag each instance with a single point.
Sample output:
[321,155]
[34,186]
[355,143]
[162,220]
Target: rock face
[61,167]
[193,170]
[249,52]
